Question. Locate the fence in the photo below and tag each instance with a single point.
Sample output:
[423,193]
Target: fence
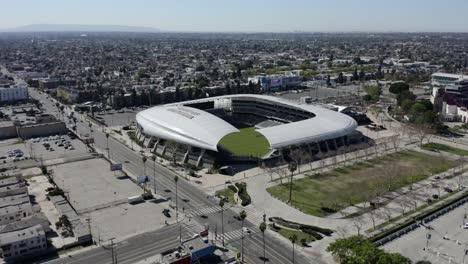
[425,220]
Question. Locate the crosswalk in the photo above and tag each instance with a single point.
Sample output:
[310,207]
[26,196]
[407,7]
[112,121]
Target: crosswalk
[193,227]
[237,234]
[203,211]
[253,216]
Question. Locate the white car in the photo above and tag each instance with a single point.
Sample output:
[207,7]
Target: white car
[246,230]
[465,226]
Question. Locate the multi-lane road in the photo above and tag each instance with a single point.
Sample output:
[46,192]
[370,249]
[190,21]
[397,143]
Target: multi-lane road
[191,198]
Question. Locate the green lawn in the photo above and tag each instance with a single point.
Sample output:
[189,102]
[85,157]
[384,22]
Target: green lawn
[332,191]
[287,233]
[247,142]
[446,148]
[228,193]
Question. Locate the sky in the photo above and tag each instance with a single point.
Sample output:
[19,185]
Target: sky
[245,15]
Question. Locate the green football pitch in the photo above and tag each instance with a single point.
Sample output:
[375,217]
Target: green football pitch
[247,142]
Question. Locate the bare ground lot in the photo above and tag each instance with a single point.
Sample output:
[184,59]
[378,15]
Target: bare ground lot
[332,191]
[90,184]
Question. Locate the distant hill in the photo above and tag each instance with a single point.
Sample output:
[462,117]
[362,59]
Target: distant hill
[79,28]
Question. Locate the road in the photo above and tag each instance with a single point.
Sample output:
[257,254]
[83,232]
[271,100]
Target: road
[190,198]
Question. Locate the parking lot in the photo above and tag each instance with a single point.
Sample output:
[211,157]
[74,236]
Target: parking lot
[45,148]
[447,244]
[118,117]
[54,147]
[90,184]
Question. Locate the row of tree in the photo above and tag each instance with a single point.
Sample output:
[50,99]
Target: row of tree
[358,250]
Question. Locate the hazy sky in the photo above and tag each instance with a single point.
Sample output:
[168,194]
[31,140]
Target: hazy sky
[245,15]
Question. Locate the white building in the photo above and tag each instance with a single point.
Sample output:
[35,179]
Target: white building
[23,242]
[441,79]
[13,93]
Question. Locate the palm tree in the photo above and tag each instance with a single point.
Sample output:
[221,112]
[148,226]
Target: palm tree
[144,159]
[293,239]
[176,179]
[262,229]
[108,150]
[154,172]
[292,167]
[242,216]
[221,204]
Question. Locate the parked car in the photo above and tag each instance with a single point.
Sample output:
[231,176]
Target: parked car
[435,196]
[448,189]
[465,226]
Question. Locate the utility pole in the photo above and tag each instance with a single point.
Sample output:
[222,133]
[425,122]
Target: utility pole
[112,251]
[428,237]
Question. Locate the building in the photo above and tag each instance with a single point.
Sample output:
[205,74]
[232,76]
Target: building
[275,83]
[13,93]
[441,79]
[196,127]
[24,126]
[451,100]
[23,243]
[22,226]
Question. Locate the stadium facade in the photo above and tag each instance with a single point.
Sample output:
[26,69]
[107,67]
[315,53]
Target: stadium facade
[191,131]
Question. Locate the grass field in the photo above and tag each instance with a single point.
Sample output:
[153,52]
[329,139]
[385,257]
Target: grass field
[228,193]
[287,233]
[248,142]
[332,191]
[446,148]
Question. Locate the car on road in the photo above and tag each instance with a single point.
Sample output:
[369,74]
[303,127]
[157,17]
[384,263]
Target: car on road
[247,230]
[166,212]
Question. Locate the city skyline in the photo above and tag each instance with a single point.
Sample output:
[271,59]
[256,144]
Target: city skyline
[244,16]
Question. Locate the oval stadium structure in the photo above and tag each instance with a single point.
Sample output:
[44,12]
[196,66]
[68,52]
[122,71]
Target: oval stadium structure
[235,126]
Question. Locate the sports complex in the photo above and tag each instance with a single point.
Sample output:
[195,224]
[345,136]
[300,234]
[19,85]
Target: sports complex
[242,128]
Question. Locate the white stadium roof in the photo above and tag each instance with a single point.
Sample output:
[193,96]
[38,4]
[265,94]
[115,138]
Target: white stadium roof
[184,124]
[199,128]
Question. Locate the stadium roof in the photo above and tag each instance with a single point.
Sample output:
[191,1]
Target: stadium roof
[205,130]
[184,124]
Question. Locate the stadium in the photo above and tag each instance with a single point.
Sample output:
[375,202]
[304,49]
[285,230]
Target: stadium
[242,128]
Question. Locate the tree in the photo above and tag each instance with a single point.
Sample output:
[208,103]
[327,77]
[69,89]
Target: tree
[108,150]
[374,91]
[399,87]
[242,216]
[340,78]
[144,159]
[355,75]
[262,228]
[221,204]
[176,179]
[355,249]
[405,95]
[393,258]
[293,239]
[292,167]
[154,172]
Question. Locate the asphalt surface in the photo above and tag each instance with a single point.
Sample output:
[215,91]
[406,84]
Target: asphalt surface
[190,198]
